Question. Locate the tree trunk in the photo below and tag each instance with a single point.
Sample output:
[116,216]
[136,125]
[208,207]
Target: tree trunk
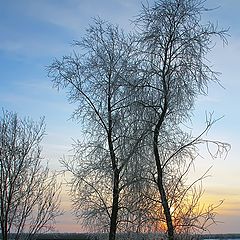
[114,214]
[115,193]
[170,229]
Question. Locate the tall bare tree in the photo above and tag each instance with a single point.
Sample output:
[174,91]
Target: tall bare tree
[174,44]
[29,194]
[133,100]
[99,77]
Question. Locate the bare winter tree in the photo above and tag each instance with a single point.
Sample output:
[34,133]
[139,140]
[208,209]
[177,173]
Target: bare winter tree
[134,100]
[29,194]
[100,80]
[188,214]
[174,45]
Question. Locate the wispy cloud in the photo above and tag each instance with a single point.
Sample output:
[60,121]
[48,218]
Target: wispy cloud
[46,28]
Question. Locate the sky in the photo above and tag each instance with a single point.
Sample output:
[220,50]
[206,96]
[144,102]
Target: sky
[34,33]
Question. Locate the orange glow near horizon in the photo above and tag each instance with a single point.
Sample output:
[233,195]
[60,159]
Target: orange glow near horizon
[225,212]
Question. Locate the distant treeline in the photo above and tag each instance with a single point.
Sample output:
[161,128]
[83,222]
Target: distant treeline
[221,236]
[86,236]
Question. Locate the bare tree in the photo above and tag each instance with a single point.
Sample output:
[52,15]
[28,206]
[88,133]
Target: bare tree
[29,194]
[133,101]
[100,79]
[188,214]
[174,44]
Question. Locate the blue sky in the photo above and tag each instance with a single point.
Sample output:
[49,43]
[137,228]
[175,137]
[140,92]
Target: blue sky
[33,33]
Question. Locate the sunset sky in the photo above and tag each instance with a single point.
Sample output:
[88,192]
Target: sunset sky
[33,33]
